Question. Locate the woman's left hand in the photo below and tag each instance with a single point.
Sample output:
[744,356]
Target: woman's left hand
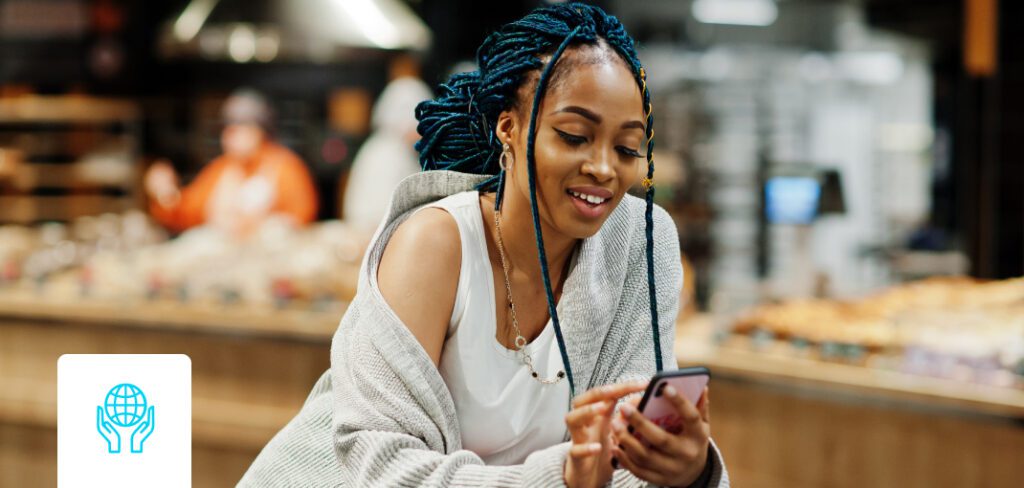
[663,458]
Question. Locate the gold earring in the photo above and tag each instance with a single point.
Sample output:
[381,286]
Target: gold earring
[506,156]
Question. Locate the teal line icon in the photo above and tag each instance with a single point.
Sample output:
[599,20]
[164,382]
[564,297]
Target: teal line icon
[125,407]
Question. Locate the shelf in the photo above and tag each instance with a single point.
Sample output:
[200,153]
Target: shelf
[31,208]
[68,142]
[67,110]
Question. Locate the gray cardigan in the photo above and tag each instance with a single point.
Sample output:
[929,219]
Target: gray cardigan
[383,416]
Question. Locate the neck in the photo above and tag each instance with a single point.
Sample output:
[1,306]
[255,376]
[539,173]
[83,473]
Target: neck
[520,240]
[251,161]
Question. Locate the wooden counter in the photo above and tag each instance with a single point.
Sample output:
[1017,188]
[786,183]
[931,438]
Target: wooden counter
[779,421]
[803,423]
[251,371]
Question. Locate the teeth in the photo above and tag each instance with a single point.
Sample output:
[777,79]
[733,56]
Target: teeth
[592,199]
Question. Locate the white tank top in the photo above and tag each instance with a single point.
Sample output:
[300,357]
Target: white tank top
[504,413]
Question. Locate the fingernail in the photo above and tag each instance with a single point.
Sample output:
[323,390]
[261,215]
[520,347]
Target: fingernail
[627,409]
[595,447]
[617,426]
[671,392]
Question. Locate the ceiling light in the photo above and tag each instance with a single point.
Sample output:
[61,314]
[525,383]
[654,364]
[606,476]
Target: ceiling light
[736,12]
[242,44]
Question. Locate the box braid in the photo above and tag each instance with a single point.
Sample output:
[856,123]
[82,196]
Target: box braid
[456,127]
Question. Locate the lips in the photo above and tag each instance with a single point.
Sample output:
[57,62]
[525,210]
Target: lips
[591,202]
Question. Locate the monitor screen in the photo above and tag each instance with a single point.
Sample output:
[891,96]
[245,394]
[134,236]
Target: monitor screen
[792,199]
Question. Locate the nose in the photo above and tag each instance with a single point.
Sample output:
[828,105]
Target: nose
[600,166]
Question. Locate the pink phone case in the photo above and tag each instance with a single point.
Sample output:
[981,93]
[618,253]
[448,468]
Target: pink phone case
[660,409]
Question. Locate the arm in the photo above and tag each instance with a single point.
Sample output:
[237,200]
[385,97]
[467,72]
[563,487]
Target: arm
[637,350]
[419,273]
[189,209]
[297,195]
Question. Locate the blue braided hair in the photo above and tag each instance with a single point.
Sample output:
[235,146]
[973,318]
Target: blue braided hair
[456,128]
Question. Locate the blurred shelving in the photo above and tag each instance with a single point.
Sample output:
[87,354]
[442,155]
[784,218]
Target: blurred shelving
[73,156]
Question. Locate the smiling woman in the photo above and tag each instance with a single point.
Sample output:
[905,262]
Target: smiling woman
[515,293]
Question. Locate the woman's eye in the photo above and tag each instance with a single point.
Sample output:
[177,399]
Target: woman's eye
[571,139]
[630,152]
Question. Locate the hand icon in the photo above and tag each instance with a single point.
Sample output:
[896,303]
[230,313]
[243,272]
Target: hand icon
[108,432]
[143,431]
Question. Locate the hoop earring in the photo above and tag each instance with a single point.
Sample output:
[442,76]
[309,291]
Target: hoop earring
[506,156]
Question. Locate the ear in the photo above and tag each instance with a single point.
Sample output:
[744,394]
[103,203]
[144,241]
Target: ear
[507,128]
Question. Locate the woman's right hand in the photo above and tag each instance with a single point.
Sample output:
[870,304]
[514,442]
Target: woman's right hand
[589,423]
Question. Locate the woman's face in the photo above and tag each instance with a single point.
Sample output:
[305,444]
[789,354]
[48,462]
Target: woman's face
[590,141]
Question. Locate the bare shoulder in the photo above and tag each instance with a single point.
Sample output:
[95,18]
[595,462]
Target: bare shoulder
[419,274]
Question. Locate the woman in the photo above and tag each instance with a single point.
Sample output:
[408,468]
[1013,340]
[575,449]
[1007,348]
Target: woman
[530,230]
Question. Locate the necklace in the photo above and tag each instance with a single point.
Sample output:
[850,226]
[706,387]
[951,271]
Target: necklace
[520,341]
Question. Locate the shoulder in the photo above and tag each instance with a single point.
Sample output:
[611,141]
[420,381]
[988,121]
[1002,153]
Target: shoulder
[430,232]
[632,222]
[283,156]
[631,218]
[418,275]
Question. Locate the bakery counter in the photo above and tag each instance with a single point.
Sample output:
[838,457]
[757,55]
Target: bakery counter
[299,322]
[780,420]
[252,367]
[790,421]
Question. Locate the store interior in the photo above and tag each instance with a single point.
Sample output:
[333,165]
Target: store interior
[845,177]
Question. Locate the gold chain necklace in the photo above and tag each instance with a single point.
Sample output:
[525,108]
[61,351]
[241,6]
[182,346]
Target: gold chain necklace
[520,341]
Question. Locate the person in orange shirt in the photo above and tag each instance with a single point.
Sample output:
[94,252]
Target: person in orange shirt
[254,179]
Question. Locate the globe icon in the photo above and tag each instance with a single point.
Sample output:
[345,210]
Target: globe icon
[125,404]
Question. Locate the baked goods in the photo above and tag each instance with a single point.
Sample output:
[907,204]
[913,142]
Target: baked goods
[949,327]
[126,257]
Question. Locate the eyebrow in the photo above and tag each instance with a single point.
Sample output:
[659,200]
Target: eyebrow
[595,118]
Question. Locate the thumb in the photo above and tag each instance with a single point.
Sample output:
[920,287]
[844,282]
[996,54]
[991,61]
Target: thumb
[705,405]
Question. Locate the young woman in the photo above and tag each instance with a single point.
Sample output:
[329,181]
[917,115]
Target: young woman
[508,304]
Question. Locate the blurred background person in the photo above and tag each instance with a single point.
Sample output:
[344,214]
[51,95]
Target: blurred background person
[254,179]
[387,156]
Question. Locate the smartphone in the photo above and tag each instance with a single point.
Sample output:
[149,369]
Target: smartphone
[689,382]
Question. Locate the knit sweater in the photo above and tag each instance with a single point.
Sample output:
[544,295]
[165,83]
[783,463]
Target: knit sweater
[383,416]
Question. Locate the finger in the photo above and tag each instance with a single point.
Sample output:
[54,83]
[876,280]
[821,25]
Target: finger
[581,417]
[654,435]
[581,451]
[629,443]
[605,431]
[99,419]
[152,418]
[648,457]
[627,461]
[608,392]
[688,412]
[634,401]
